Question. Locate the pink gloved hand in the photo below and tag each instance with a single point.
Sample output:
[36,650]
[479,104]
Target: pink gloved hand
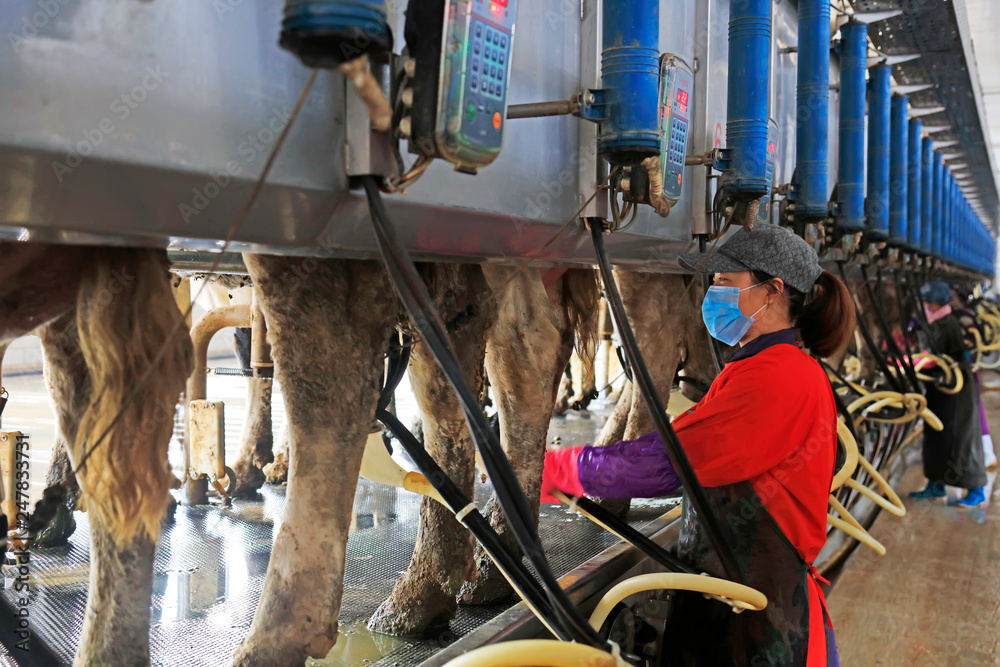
[560,473]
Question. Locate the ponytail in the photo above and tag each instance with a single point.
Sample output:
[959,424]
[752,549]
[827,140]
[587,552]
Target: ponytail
[824,316]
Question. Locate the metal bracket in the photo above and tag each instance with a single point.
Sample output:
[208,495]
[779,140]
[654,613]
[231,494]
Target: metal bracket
[593,104]
[366,152]
[723,159]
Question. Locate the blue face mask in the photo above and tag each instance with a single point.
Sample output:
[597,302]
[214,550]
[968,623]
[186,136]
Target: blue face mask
[722,314]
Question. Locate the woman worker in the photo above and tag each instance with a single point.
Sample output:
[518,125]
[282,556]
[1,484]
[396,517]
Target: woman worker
[954,455]
[763,442]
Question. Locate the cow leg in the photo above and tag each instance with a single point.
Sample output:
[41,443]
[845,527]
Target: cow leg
[424,597]
[116,622]
[88,355]
[656,305]
[527,349]
[276,472]
[257,440]
[63,362]
[328,323]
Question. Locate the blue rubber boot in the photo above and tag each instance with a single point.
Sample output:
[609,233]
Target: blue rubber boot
[975,498]
[934,490]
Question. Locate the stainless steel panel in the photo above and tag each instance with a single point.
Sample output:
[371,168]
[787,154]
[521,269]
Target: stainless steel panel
[147,123]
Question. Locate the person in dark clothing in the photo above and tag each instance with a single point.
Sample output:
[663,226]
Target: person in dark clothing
[954,455]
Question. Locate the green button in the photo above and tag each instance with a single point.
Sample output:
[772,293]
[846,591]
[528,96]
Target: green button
[472,107]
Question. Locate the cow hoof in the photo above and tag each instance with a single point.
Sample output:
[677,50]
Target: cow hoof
[277,472]
[57,531]
[413,615]
[490,587]
[277,647]
[249,479]
[170,511]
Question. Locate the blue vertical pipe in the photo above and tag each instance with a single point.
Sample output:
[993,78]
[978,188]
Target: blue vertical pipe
[941,244]
[630,73]
[812,109]
[898,184]
[877,204]
[953,225]
[927,197]
[938,208]
[914,191]
[851,159]
[746,109]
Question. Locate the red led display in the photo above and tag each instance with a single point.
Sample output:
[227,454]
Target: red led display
[682,98]
[499,3]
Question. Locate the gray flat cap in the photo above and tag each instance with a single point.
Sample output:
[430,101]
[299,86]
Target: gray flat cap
[774,250]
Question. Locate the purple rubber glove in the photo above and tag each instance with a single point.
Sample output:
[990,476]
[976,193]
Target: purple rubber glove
[628,469]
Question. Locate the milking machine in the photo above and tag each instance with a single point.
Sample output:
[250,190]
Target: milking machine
[453,107]
[447,98]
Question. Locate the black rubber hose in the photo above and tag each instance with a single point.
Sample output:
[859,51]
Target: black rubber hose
[887,332]
[414,296]
[634,537]
[675,452]
[870,342]
[901,296]
[527,587]
[706,283]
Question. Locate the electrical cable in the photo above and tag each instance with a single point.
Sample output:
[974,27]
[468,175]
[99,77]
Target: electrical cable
[675,452]
[627,533]
[415,297]
[525,585]
[890,341]
[513,570]
[869,341]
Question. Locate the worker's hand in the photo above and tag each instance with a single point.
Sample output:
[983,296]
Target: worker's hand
[560,473]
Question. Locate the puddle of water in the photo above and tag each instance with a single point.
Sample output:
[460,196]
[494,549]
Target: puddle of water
[356,645]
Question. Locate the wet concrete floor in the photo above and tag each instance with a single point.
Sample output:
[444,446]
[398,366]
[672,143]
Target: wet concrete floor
[934,598]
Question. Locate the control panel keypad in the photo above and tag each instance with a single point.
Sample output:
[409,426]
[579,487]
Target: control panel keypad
[488,74]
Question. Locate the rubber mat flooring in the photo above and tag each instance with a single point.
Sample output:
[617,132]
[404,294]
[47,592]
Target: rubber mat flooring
[211,562]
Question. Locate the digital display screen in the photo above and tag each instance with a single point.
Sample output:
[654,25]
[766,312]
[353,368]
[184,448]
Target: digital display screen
[772,147]
[682,98]
[500,3]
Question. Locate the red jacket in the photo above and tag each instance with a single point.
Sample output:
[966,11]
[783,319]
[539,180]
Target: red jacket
[770,419]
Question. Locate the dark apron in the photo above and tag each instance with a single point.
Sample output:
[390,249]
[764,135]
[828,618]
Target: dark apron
[954,455]
[700,631]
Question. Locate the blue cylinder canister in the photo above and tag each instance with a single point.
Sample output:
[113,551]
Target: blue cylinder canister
[898,164]
[746,120]
[940,244]
[812,109]
[914,192]
[327,33]
[937,208]
[927,196]
[630,73]
[877,204]
[851,158]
